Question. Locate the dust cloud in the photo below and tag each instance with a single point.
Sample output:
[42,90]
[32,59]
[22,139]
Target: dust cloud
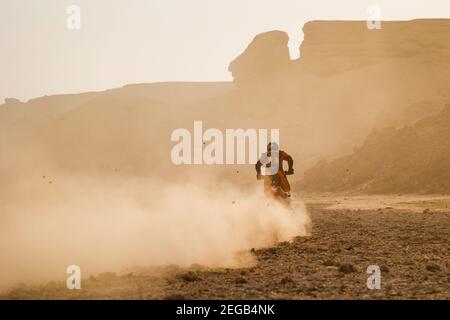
[106,224]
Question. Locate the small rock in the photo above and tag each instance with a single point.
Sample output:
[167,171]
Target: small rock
[384,269]
[287,280]
[347,268]
[432,291]
[240,280]
[284,244]
[433,267]
[426,211]
[329,263]
[332,267]
[270,250]
[309,288]
[311,250]
[190,276]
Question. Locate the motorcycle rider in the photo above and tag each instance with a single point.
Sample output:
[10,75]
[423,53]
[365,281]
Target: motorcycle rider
[277,179]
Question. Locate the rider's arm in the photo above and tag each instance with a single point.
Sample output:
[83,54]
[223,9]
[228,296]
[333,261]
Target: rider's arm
[289,160]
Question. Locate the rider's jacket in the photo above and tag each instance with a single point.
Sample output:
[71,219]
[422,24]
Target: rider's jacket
[283,156]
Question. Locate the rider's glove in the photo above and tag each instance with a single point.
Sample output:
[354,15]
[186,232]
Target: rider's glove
[290,171]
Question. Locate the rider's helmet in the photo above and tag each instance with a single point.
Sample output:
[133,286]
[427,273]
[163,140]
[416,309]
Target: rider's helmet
[272,146]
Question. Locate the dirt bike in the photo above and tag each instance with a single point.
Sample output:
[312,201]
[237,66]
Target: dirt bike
[277,186]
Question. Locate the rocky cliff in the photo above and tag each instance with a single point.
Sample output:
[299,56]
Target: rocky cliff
[337,46]
[267,53]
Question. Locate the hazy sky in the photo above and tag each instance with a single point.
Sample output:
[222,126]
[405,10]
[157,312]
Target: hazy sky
[135,41]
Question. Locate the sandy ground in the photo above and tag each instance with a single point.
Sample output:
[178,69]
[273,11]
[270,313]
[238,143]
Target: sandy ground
[414,203]
[407,237]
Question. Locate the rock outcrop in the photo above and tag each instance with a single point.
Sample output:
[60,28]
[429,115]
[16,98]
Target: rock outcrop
[267,53]
[336,46]
[331,47]
[12,101]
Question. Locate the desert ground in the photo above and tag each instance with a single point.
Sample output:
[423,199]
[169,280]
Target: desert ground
[406,236]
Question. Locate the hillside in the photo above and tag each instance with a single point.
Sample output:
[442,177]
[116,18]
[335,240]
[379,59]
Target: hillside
[413,159]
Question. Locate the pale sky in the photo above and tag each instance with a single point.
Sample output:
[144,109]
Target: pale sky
[141,41]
